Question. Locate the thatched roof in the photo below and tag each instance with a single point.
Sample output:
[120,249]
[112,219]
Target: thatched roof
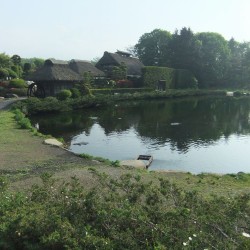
[80,67]
[133,65]
[57,70]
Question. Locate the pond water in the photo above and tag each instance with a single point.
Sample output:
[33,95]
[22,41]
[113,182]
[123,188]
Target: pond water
[195,135]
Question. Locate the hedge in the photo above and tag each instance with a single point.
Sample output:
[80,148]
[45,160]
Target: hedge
[17,83]
[175,78]
[119,90]
[151,75]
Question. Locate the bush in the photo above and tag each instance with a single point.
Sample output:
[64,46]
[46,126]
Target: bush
[3,73]
[75,93]
[121,213]
[17,83]
[64,95]
[19,92]
[22,121]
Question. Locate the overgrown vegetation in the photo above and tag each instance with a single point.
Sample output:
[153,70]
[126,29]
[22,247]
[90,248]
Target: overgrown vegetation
[123,213]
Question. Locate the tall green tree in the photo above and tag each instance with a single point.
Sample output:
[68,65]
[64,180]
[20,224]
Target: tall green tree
[214,59]
[185,50]
[153,48]
[5,61]
[16,59]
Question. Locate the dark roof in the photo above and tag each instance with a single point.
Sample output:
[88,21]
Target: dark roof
[54,70]
[58,70]
[133,65]
[80,67]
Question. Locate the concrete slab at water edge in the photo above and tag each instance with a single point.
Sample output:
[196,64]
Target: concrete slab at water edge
[133,163]
[53,142]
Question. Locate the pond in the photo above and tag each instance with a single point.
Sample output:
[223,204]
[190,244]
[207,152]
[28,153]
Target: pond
[194,135]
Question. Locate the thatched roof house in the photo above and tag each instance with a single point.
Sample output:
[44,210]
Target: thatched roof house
[80,67]
[56,75]
[54,70]
[109,60]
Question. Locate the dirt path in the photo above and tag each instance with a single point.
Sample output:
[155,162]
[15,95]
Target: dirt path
[24,157]
[5,104]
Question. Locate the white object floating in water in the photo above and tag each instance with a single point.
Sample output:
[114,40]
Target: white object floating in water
[230,93]
[175,123]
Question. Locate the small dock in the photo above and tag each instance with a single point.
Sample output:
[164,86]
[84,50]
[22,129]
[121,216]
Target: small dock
[141,162]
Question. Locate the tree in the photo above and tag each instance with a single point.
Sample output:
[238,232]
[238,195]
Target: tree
[119,72]
[185,51]
[5,61]
[214,58]
[16,59]
[153,48]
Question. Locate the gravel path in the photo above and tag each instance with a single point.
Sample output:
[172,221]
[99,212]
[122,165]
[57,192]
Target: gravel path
[4,104]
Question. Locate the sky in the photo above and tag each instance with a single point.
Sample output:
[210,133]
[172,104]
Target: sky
[84,29]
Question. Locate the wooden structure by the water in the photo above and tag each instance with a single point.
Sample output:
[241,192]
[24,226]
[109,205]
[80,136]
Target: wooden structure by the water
[142,162]
[56,75]
[147,159]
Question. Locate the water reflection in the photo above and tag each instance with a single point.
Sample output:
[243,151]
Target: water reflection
[179,126]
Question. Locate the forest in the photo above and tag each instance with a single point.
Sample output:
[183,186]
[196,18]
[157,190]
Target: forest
[213,60]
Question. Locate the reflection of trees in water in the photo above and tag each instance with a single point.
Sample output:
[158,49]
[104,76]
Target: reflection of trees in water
[194,121]
[201,121]
[64,125]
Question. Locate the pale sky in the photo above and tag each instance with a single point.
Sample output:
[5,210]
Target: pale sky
[84,29]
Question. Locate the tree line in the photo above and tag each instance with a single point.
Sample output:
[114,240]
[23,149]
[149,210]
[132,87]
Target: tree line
[17,67]
[214,61]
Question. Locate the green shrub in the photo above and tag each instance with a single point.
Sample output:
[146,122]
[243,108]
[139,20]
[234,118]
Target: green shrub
[120,213]
[75,93]
[64,95]
[22,121]
[17,91]
[17,83]
[3,73]
[12,73]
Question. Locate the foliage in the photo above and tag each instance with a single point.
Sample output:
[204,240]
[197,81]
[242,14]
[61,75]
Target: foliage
[151,75]
[103,97]
[119,72]
[153,48]
[124,213]
[3,73]
[184,79]
[64,95]
[22,121]
[175,78]
[5,61]
[214,56]
[75,93]
[214,61]
[17,83]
